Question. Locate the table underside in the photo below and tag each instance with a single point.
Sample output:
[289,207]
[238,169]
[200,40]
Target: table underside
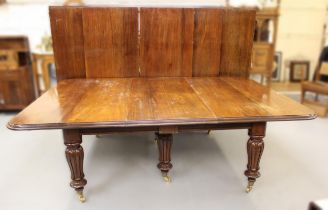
[135,102]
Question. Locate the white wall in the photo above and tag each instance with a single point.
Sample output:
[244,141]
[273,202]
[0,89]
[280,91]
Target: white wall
[140,2]
[31,20]
[30,17]
[300,31]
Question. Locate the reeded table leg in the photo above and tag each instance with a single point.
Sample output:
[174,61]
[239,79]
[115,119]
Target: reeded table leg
[164,142]
[74,155]
[255,146]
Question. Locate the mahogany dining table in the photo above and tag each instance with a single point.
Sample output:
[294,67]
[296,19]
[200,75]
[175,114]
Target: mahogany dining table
[163,70]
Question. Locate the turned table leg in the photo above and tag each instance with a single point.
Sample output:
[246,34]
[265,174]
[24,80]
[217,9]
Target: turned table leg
[164,142]
[255,146]
[74,155]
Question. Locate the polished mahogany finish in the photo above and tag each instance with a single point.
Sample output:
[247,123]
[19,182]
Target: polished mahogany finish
[164,143]
[98,42]
[207,41]
[168,54]
[255,147]
[74,155]
[166,70]
[92,103]
[116,39]
[237,35]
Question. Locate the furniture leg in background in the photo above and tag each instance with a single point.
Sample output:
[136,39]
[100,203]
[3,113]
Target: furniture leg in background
[74,155]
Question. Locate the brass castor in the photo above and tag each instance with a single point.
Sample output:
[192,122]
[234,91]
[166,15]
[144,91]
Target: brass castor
[166,177]
[249,186]
[81,196]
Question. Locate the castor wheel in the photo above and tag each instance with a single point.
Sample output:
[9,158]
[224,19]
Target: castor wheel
[81,196]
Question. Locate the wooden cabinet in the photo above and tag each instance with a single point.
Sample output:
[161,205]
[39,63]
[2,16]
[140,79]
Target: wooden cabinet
[264,42]
[16,84]
[261,57]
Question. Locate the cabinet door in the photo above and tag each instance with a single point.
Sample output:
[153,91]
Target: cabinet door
[261,58]
[11,93]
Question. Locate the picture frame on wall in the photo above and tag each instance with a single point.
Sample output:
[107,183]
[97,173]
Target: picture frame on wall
[277,65]
[299,71]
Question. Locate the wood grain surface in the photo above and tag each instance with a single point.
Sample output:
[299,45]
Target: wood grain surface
[117,102]
[207,42]
[166,41]
[110,42]
[237,41]
[104,42]
[68,41]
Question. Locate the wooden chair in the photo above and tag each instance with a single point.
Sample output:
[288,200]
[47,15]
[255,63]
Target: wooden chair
[319,86]
[318,205]
[42,78]
[165,70]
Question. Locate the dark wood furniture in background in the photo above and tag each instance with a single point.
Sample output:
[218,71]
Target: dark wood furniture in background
[16,84]
[185,69]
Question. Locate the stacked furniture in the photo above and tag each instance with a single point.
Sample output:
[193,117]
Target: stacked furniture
[162,70]
[16,82]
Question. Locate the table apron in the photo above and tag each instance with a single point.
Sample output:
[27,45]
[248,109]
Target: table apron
[167,129]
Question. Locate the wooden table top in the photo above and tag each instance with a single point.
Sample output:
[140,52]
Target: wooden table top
[120,102]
